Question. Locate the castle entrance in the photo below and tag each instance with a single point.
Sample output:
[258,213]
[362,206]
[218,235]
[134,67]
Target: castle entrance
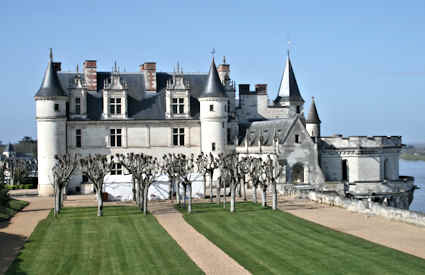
[298,173]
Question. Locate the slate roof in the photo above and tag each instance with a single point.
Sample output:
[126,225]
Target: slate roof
[141,105]
[288,89]
[266,130]
[50,86]
[313,117]
[214,87]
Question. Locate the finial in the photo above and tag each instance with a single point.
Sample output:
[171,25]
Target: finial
[51,54]
[213,52]
[224,59]
[289,45]
[312,98]
[77,69]
[115,66]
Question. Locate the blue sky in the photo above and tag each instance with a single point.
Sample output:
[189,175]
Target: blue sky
[364,61]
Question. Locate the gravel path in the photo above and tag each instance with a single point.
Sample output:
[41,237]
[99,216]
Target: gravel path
[15,232]
[401,236]
[210,258]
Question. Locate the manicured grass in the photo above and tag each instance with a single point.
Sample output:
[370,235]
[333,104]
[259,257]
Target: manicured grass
[122,242]
[273,242]
[14,206]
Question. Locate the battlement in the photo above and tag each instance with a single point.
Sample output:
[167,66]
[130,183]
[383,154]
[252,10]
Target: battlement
[338,141]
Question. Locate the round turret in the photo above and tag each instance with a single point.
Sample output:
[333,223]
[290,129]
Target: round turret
[213,114]
[313,121]
[51,101]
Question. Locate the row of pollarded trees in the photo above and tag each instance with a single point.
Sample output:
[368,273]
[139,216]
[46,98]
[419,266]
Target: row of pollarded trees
[181,170]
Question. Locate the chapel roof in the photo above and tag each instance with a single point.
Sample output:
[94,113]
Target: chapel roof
[288,90]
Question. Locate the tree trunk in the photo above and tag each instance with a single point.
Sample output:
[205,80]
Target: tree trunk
[244,188]
[224,196]
[184,195]
[62,197]
[263,196]
[232,199]
[145,200]
[137,193]
[218,191]
[141,198]
[189,208]
[239,189]
[254,193]
[57,200]
[177,182]
[170,188]
[99,203]
[211,186]
[274,206]
[134,189]
[205,185]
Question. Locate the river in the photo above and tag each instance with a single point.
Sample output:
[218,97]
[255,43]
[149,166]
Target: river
[417,170]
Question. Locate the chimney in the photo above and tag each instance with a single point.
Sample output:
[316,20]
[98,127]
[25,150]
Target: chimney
[149,71]
[57,66]
[243,89]
[90,74]
[224,71]
[261,89]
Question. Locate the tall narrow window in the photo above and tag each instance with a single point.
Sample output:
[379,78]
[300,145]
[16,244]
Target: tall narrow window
[178,105]
[178,136]
[344,170]
[211,108]
[298,109]
[78,105]
[115,106]
[213,146]
[116,169]
[115,137]
[78,138]
[297,139]
[56,107]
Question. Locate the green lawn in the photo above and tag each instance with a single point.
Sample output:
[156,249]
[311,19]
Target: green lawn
[273,242]
[122,242]
[14,206]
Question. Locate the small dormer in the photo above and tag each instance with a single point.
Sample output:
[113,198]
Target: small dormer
[177,96]
[78,97]
[115,97]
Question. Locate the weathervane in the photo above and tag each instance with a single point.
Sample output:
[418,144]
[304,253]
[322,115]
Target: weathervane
[213,52]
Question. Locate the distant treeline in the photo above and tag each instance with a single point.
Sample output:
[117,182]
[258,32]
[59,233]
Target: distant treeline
[407,156]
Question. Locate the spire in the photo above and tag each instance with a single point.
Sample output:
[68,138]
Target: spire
[288,90]
[214,88]
[313,117]
[50,85]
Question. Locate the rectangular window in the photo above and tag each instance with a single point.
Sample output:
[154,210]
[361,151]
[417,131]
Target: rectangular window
[297,139]
[178,136]
[78,138]
[115,106]
[178,105]
[116,169]
[213,146]
[115,137]
[298,109]
[211,108]
[56,107]
[78,105]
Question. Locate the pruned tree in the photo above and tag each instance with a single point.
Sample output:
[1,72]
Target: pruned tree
[19,169]
[134,164]
[95,168]
[243,171]
[212,165]
[4,196]
[263,180]
[151,172]
[274,171]
[186,171]
[201,165]
[63,169]
[168,167]
[254,172]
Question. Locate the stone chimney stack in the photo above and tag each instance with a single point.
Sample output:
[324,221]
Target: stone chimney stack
[261,89]
[90,74]
[224,71]
[57,66]
[149,71]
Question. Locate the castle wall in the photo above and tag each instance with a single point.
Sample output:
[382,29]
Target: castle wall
[256,107]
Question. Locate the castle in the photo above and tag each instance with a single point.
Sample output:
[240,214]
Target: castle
[154,112]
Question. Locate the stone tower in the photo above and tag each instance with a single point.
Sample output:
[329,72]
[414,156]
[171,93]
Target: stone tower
[213,114]
[289,95]
[51,104]
[313,121]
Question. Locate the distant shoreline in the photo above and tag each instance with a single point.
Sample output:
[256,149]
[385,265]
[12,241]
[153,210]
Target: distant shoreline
[411,157]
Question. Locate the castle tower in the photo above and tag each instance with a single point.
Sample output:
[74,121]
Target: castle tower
[289,95]
[313,121]
[50,101]
[213,114]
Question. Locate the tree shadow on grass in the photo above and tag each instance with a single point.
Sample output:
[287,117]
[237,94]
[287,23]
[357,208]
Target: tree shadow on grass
[214,208]
[10,246]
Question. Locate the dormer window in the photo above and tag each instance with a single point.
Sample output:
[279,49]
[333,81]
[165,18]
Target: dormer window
[178,105]
[56,107]
[298,109]
[297,139]
[78,105]
[211,108]
[115,106]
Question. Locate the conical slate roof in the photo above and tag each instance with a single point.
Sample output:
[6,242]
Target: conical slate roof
[50,85]
[288,90]
[214,87]
[313,117]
